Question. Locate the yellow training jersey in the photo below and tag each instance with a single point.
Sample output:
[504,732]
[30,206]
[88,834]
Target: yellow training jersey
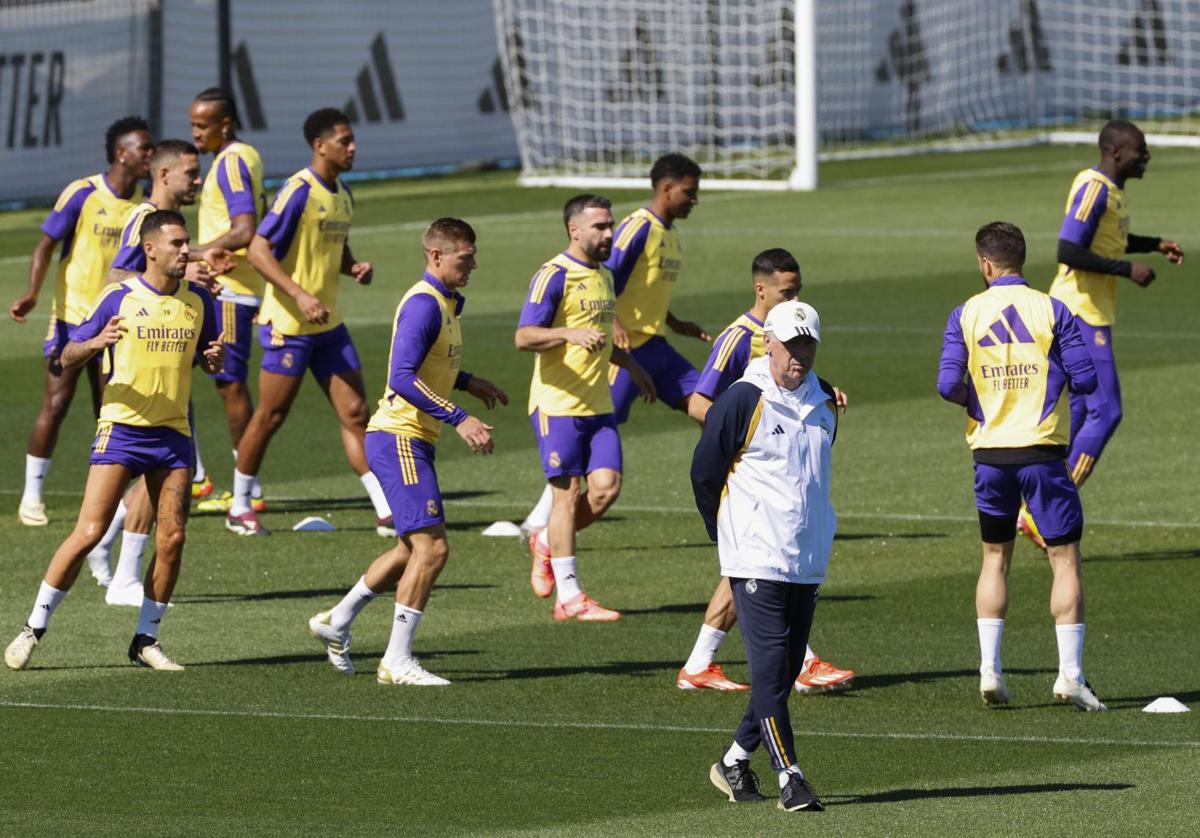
[568,380]
[150,367]
[734,348]
[308,226]
[1097,217]
[645,263]
[423,365]
[232,187]
[87,219]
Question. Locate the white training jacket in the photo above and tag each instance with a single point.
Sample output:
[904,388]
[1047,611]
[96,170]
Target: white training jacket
[761,477]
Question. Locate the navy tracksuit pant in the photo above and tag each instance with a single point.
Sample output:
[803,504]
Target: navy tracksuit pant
[775,618]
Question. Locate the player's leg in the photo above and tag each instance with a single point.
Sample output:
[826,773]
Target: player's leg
[126,587]
[701,671]
[171,497]
[998,501]
[276,394]
[429,551]
[1101,411]
[105,484]
[58,391]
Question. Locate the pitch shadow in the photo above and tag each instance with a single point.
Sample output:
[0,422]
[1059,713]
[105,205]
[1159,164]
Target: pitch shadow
[868,681]
[1148,556]
[880,536]
[284,660]
[635,668]
[313,593]
[901,795]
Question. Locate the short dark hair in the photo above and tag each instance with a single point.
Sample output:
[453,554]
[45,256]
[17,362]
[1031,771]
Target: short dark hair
[221,97]
[321,121]
[124,125]
[445,231]
[1116,132]
[158,219]
[773,261]
[673,166]
[168,151]
[579,203]
[1001,243]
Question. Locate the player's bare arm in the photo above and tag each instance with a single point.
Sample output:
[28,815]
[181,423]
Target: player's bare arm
[39,263]
[268,266]
[543,338]
[687,328]
[698,407]
[77,354]
[363,272]
[486,392]
[240,233]
[641,378]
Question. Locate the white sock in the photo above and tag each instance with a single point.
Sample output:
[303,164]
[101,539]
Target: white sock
[200,473]
[129,562]
[400,645]
[104,548]
[735,754]
[566,580]
[705,650]
[358,598]
[256,486]
[48,598]
[241,493]
[991,631]
[543,540]
[809,654]
[150,617]
[36,469]
[539,517]
[786,773]
[375,492]
[1070,650]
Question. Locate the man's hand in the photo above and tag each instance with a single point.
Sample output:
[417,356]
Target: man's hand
[214,357]
[476,435]
[1141,274]
[620,336]
[363,272]
[109,335]
[1172,251]
[219,259]
[486,392]
[642,381]
[21,307]
[199,272]
[841,400]
[590,339]
[690,330]
[314,310]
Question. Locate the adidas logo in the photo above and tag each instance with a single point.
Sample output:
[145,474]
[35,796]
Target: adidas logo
[142,313]
[402,618]
[778,430]
[382,63]
[1000,330]
[581,286]
[101,211]
[494,93]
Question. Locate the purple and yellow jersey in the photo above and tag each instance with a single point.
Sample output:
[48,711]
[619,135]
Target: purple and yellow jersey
[424,364]
[87,220]
[568,380]
[234,186]
[150,368]
[1017,347]
[308,226]
[131,257]
[734,348]
[1097,217]
[645,263]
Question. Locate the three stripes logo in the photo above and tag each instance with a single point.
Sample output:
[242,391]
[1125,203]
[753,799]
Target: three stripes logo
[494,93]
[1009,328]
[778,430]
[142,313]
[381,63]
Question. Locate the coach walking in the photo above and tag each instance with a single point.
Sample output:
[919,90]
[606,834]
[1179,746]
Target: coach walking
[761,476]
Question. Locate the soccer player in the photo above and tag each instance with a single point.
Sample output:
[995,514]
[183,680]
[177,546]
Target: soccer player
[1006,355]
[567,320]
[232,202]
[1092,243]
[301,248]
[86,219]
[645,263]
[776,276]
[148,329]
[424,366]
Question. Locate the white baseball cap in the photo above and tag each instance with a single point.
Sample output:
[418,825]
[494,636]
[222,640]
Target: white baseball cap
[793,319]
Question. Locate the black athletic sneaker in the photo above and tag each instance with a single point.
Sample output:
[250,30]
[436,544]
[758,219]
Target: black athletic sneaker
[738,783]
[798,795]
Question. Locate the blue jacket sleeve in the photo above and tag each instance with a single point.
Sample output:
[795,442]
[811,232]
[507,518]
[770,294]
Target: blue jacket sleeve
[953,364]
[725,434]
[1076,360]
[417,327]
[628,245]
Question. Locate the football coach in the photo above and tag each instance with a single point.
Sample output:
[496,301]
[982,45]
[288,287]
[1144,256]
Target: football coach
[761,475]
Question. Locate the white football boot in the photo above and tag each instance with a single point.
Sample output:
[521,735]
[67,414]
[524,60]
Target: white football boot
[408,672]
[337,643]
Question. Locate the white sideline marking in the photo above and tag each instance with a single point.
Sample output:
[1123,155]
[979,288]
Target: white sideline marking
[566,725]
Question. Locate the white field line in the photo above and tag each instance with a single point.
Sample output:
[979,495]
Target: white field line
[572,725]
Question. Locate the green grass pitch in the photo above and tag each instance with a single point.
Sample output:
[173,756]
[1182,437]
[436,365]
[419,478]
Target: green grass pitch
[573,729]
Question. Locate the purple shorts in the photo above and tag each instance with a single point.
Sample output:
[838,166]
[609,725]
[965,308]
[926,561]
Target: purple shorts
[573,446]
[674,377]
[325,353]
[141,450]
[235,322]
[403,466]
[1047,488]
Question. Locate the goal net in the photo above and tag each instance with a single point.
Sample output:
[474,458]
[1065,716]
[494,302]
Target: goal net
[757,90]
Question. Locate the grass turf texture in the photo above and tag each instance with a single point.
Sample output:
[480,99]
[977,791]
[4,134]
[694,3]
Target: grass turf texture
[572,728]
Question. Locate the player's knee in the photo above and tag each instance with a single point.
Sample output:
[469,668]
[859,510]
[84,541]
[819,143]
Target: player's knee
[56,405]
[436,554]
[89,533]
[275,417]
[170,541]
[355,414]
[605,495]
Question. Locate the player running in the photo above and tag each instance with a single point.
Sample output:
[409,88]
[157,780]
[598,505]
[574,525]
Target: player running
[568,321]
[423,368]
[148,329]
[86,219]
